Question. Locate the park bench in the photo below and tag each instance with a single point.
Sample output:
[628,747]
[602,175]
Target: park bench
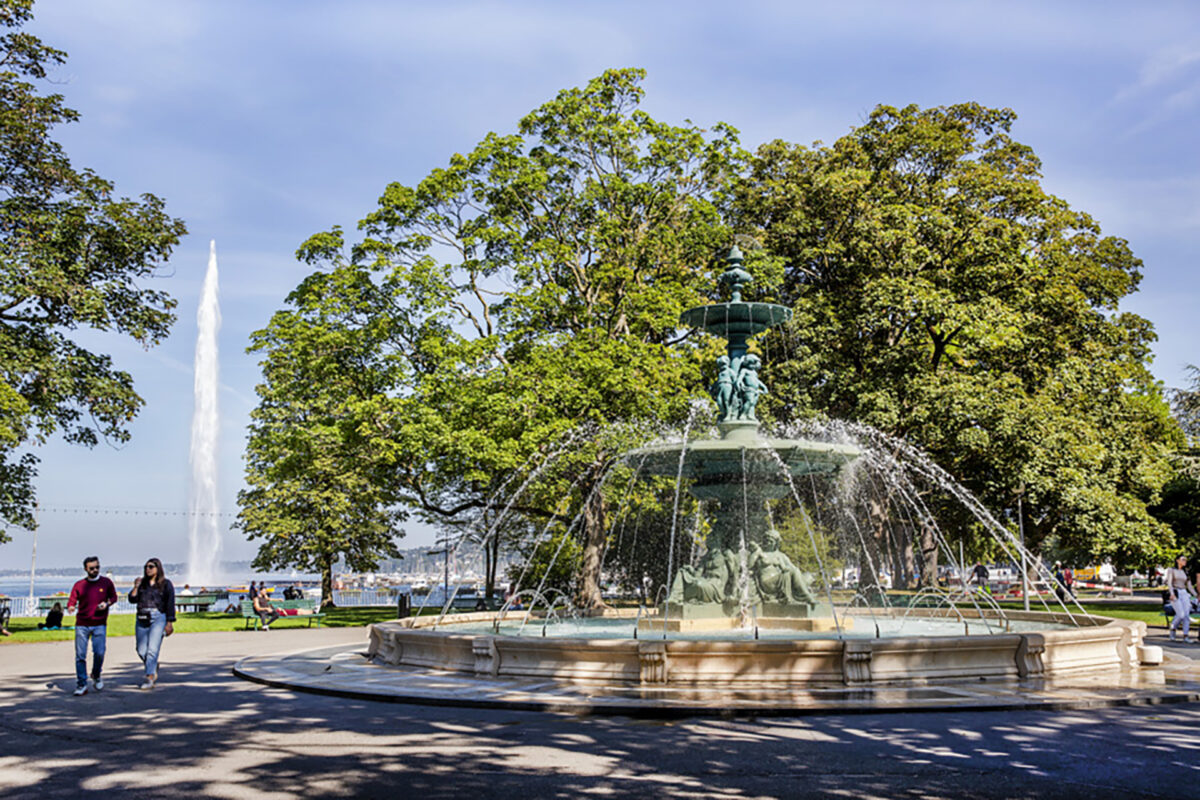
[194,602]
[47,603]
[248,612]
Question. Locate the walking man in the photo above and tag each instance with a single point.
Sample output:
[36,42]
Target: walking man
[94,595]
[980,575]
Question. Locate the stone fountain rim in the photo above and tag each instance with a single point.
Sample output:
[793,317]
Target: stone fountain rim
[346,672]
[1102,645]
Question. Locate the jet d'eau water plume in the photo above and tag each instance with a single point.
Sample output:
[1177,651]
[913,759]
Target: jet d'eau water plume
[204,534]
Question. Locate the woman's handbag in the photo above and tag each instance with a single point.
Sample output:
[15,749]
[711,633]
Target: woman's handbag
[143,617]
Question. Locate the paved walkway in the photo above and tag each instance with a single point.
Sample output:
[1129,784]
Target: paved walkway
[205,733]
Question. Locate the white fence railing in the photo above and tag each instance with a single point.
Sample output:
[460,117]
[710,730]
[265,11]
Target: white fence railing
[28,607]
[364,597]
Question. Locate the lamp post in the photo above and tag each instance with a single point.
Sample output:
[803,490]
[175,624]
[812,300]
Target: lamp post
[33,558]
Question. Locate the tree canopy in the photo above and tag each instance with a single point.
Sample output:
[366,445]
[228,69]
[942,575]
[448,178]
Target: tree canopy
[318,470]
[72,256]
[531,287]
[941,294]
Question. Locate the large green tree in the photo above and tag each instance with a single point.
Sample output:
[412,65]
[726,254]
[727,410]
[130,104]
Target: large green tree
[1179,505]
[941,294]
[318,454]
[72,257]
[533,288]
[1185,404]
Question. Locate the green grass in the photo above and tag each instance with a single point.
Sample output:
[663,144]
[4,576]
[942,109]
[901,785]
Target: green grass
[1144,612]
[24,629]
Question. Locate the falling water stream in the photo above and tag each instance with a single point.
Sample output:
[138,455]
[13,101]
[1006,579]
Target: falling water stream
[204,533]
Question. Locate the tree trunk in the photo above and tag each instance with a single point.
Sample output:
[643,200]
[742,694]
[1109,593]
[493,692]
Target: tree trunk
[908,564]
[870,575]
[929,558]
[327,584]
[594,539]
[491,556]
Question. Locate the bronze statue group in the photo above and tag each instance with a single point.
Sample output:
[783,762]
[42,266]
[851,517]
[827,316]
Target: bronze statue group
[738,387]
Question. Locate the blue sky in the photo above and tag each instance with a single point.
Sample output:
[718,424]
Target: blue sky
[263,122]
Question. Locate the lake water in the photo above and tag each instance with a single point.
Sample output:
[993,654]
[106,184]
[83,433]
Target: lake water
[41,586]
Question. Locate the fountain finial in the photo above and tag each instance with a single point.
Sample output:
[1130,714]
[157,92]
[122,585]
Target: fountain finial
[734,276]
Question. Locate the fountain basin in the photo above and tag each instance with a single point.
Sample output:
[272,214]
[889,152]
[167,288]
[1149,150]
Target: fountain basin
[736,319]
[1096,645]
[741,452]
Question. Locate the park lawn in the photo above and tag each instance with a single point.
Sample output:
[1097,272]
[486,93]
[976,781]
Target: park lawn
[24,629]
[1143,612]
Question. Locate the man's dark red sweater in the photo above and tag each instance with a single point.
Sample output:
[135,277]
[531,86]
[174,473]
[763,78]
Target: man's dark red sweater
[88,595]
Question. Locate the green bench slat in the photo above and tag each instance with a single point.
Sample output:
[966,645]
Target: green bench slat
[248,612]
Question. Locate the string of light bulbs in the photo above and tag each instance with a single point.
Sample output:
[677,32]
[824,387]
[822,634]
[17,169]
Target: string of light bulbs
[146,512]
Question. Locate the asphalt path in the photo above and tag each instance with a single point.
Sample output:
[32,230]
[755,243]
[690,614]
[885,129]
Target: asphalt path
[205,733]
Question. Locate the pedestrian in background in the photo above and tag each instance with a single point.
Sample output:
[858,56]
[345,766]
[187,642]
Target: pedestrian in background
[1108,577]
[1177,594]
[94,596]
[262,606]
[155,599]
[1060,582]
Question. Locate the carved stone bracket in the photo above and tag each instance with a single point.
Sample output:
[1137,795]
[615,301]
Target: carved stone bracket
[652,661]
[384,647]
[856,661]
[486,660]
[1029,656]
[1130,647]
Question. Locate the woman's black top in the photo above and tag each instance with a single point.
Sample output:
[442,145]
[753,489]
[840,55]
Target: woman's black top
[160,596]
[54,618]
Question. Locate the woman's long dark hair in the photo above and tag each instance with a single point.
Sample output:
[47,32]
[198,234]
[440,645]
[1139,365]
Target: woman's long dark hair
[160,576]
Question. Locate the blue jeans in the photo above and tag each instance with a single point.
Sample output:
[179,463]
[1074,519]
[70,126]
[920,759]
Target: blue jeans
[149,640]
[99,635]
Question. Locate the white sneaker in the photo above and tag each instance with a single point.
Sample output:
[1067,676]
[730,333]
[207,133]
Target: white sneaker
[98,684]
[147,684]
[266,627]
[80,691]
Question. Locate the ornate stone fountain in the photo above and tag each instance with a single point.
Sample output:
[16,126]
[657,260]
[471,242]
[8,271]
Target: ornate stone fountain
[743,575]
[743,582]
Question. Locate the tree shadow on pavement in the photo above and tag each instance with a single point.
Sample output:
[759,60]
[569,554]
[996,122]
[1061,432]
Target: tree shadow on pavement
[206,733]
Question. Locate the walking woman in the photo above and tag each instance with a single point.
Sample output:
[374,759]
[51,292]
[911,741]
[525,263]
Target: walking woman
[155,599]
[1181,601]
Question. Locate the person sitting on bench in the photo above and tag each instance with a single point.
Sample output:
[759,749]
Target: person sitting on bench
[266,612]
[53,619]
